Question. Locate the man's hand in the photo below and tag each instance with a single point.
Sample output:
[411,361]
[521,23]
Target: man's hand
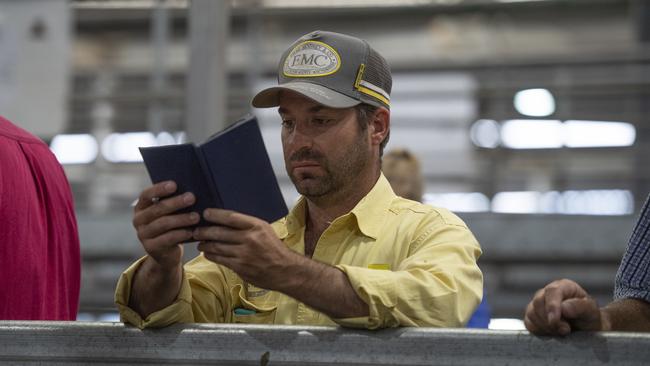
[159,230]
[245,244]
[158,280]
[561,307]
[250,247]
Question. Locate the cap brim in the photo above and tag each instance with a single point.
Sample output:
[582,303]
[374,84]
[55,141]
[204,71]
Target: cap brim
[270,97]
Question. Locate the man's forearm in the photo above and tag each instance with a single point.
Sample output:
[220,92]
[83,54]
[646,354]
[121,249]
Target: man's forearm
[630,315]
[154,288]
[323,287]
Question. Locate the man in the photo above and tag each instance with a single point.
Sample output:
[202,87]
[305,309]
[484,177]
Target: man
[39,243]
[563,306]
[350,252]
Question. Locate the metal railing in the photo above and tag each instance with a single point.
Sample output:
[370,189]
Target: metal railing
[73,343]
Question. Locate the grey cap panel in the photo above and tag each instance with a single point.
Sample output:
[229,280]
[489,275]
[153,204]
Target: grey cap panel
[334,69]
[270,97]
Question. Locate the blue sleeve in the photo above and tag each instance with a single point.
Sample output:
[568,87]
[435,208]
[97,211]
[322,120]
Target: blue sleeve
[633,277]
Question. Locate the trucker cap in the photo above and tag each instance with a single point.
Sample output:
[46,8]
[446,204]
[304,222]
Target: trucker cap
[333,69]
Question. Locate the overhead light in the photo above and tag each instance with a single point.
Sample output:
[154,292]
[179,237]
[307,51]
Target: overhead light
[598,134]
[547,134]
[485,133]
[74,148]
[535,102]
[532,134]
[613,202]
[516,202]
[127,4]
[123,147]
[165,138]
[350,3]
[597,202]
[459,202]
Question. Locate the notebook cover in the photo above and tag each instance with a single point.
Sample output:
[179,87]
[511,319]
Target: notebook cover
[181,164]
[242,171]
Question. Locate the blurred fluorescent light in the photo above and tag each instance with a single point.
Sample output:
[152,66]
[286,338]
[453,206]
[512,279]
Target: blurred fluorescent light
[180,137]
[535,102]
[532,134]
[548,134]
[519,1]
[506,324]
[74,149]
[597,202]
[611,202]
[525,202]
[123,147]
[459,202]
[165,138]
[109,317]
[598,134]
[485,133]
[351,3]
[127,4]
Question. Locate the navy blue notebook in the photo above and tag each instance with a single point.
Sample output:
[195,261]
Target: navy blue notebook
[230,170]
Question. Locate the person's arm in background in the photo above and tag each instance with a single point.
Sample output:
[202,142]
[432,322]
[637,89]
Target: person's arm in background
[563,306]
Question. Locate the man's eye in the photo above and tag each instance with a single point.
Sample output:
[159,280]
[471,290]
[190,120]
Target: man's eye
[322,121]
[287,123]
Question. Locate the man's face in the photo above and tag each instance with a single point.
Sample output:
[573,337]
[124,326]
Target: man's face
[325,149]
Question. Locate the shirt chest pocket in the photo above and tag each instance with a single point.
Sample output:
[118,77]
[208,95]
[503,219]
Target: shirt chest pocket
[252,305]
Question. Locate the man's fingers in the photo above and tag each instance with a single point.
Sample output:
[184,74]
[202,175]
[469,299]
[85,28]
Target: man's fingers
[218,248]
[535,320]
[166,223]
[538,307]
[167,240]
[229,218]
[555,293]
[582,313]
[553,297]
[537,323]
[162,189]
[164,207]
[218,233]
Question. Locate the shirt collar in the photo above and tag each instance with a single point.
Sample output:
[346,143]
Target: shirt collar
[372,208]
[369,211]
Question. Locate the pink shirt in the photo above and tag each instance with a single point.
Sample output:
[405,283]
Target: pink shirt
[39,243]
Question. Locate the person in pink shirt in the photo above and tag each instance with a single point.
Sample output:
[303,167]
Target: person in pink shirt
[39,242]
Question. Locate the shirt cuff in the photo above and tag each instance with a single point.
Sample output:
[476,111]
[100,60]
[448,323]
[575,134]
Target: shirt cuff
[626,292]
[377,289]
[180,311]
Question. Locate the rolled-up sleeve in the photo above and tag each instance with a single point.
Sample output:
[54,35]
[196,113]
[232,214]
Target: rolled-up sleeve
[201,298]
[438,285]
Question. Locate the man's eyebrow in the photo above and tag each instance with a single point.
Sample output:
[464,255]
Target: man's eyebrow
[314,109]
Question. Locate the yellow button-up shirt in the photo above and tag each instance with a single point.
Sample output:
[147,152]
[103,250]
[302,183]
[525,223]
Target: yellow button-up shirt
[413,264]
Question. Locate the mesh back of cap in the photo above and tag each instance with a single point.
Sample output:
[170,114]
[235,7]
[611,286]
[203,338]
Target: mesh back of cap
[378,72]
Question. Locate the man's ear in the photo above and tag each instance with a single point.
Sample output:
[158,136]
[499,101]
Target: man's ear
[379,126]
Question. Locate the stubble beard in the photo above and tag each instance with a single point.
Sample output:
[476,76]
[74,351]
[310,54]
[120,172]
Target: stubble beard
[338,176]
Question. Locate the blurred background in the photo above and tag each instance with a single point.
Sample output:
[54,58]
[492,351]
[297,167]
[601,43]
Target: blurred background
[531,118]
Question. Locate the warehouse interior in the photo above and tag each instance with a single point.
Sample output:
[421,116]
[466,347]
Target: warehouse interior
[531,118]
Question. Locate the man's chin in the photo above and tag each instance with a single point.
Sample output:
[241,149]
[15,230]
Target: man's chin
[310,187]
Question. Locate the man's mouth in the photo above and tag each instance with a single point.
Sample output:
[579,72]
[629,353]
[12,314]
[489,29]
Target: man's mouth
[305,164]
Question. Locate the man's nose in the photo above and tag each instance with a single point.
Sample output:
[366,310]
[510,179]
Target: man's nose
[301,136]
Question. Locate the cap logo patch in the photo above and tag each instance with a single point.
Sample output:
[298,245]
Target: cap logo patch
[311,59]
